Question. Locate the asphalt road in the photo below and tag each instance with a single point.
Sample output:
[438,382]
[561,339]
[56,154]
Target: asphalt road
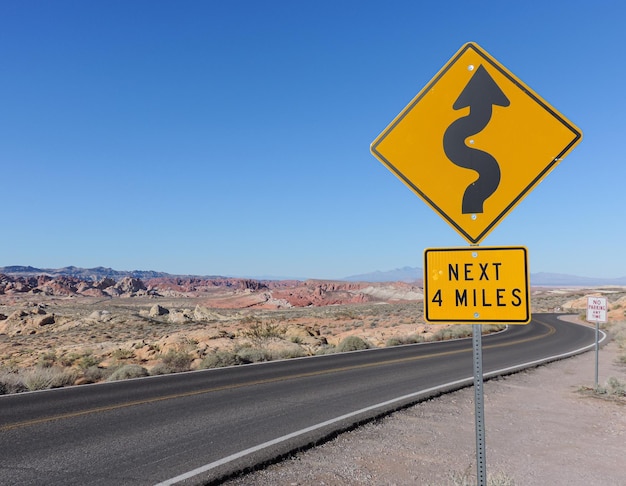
[192,428]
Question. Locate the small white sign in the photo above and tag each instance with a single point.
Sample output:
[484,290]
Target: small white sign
[596,309]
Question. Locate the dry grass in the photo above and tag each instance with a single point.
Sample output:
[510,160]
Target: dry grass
[93,339]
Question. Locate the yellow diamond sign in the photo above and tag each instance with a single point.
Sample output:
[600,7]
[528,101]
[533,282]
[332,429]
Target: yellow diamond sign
[474,142]
[477,285]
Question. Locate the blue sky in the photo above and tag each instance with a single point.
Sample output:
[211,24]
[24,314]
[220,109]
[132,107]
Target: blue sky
[232,137]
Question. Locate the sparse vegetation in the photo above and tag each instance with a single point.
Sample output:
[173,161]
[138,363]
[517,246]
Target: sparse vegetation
[468,478]
[87,361]
[123,354]
[615,388]
[452,332]
[402,340]
[327,349]
[47,360]
[94,374]
[128,371]
[618,332]
[218,359]
[352,343]
[260,333]
[247,355]
[289,353]
[38,378]
[118,333]
[174,361]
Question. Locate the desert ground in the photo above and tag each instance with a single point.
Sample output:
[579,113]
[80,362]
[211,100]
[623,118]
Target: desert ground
[161,327]
[79,331]
[545,426]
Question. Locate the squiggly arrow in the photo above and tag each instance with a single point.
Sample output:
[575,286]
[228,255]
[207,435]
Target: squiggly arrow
[480,94]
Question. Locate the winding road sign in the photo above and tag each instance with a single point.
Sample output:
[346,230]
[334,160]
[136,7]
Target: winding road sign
[474,142]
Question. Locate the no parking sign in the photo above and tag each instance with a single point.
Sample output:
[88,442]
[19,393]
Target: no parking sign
[596,309]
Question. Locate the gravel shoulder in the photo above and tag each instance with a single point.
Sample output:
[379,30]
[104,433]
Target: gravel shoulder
[540,429]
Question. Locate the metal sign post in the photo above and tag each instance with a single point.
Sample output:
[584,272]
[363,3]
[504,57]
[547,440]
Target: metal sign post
[597,312]
[481,459]
[597,353]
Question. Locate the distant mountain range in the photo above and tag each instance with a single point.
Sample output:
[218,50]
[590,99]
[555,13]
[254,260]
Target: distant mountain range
[411,274]
[551,279]
[404,274]
[82,273]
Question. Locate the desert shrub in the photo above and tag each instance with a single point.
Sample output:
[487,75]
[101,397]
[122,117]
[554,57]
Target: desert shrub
[395,341]
[128,371]
[618,331]
[613,387]
[87,361]
[160,369]
[47,360]
[452,332]
[45,378]
[94,374]
[288,353]
[468,478]
[68,359]
[83,361]
[174,361]
[489,328]
[442,334]
[253,355]
[10,382]
[345,314]
[352,343]
[178,360]
[401,340]
[219,359]
[121,354]
[261,332]
[154,347]
[326,349]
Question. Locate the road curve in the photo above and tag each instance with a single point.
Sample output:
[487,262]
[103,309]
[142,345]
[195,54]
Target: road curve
[197,427]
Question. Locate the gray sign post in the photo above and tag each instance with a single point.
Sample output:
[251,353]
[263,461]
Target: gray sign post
[481,459]
[597,308]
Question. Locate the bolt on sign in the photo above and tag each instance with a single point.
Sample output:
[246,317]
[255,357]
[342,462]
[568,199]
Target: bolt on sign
[596,309]
[474,142]
[477,285]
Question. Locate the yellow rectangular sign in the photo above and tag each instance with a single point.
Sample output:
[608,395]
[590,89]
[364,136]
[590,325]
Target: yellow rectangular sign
[477,285]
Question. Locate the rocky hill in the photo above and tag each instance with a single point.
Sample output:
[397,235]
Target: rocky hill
[219,292]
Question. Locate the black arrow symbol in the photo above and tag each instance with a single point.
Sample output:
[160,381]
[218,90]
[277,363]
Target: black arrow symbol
[480,94]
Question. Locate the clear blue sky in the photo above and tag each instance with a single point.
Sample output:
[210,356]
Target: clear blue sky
[232,137]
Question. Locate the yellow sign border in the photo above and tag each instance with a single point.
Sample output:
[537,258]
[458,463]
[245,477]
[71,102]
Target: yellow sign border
[576,138]
[476,319]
